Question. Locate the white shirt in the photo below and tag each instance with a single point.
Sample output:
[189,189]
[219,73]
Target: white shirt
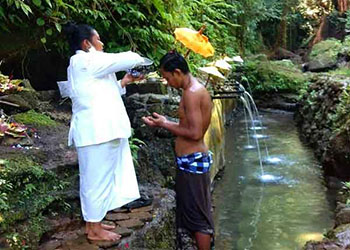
[99,114]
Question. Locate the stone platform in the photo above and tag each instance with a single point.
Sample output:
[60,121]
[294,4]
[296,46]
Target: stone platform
[149,227]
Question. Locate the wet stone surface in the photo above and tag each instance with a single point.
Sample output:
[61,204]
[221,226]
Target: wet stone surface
[131,224]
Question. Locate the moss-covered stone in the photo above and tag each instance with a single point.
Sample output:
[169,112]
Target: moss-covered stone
[267,76]
[28,193]
[323,116]
[346,46]
[161,239]
[34,118]
[326,50]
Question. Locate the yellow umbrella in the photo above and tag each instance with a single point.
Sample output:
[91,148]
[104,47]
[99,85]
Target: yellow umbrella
[195,41]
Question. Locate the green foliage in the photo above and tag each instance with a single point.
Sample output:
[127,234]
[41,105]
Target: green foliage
[345,191]
[275,76]
[33,118]
[135,145]
[341,71]
[342,119]
[147,26]
[26,192]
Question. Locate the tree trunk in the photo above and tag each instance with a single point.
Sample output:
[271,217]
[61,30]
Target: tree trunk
[343,5]
[281,39]
[319,33]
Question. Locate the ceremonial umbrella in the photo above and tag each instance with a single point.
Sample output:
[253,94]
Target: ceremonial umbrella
[211,71]
[222,65]
[195,41]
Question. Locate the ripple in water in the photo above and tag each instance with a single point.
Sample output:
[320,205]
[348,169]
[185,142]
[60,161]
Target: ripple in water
[259,136]
[248,147]
[257,128]
[269,178]
[272,160]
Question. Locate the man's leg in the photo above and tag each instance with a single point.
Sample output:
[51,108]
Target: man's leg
[203,240]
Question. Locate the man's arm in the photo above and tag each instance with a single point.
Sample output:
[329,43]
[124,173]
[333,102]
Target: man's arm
[193,115]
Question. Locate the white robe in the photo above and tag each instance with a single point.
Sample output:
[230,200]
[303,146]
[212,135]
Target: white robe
[107,178]
[99,121]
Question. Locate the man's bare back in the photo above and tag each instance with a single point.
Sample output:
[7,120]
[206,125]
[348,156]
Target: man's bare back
[195,105]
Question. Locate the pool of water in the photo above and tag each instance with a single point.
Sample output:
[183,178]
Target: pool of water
[279,206]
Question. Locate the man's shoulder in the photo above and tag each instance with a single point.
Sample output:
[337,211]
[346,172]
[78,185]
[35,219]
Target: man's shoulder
[197,91]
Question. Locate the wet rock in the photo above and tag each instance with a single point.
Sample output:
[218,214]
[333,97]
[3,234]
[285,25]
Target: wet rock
[142,216]
[51,245]
[343,216]
[79,244]
[142,209]
[153,99]
[70,235]
[131,223]
[339,207]
[333,183]
[324,245]
[13,141]
[63,224]
[104,244]
[117,216]
[148,87]
[26,100]
[123,231]
[157,233]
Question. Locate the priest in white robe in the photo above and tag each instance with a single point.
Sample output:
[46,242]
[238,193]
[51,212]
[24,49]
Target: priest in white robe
[100,128]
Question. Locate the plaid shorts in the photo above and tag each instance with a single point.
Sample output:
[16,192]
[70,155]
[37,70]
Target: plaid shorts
[196,163]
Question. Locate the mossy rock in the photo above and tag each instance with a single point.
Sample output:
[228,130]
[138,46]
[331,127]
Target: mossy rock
[326,50]
[28,194]
[27,99]
[274,76]
[34,118]
[346,46]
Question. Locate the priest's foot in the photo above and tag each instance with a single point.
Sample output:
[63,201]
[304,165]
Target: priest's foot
[104,226]
[102,235]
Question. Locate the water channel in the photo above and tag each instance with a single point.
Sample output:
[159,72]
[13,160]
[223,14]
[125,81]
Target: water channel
[253,215]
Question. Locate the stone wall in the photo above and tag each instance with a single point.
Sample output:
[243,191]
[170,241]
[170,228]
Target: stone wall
[316,116]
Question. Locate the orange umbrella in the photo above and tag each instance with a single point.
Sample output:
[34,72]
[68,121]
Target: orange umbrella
[195,41]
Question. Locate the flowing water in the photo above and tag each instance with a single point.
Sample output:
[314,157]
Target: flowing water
[281,211]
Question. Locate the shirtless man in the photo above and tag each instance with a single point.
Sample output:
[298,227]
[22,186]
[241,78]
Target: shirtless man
[193,202]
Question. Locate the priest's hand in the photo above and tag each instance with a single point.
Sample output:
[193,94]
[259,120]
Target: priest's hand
[128,78]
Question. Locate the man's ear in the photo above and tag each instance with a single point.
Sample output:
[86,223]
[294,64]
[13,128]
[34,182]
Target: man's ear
[85,45]
[177,72]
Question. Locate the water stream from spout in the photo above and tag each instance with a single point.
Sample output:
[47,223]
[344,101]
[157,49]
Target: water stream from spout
[249,111]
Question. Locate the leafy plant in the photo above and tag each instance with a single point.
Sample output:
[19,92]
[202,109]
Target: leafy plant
[135,145]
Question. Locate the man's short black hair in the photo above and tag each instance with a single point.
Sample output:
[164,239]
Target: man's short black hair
[173,60]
